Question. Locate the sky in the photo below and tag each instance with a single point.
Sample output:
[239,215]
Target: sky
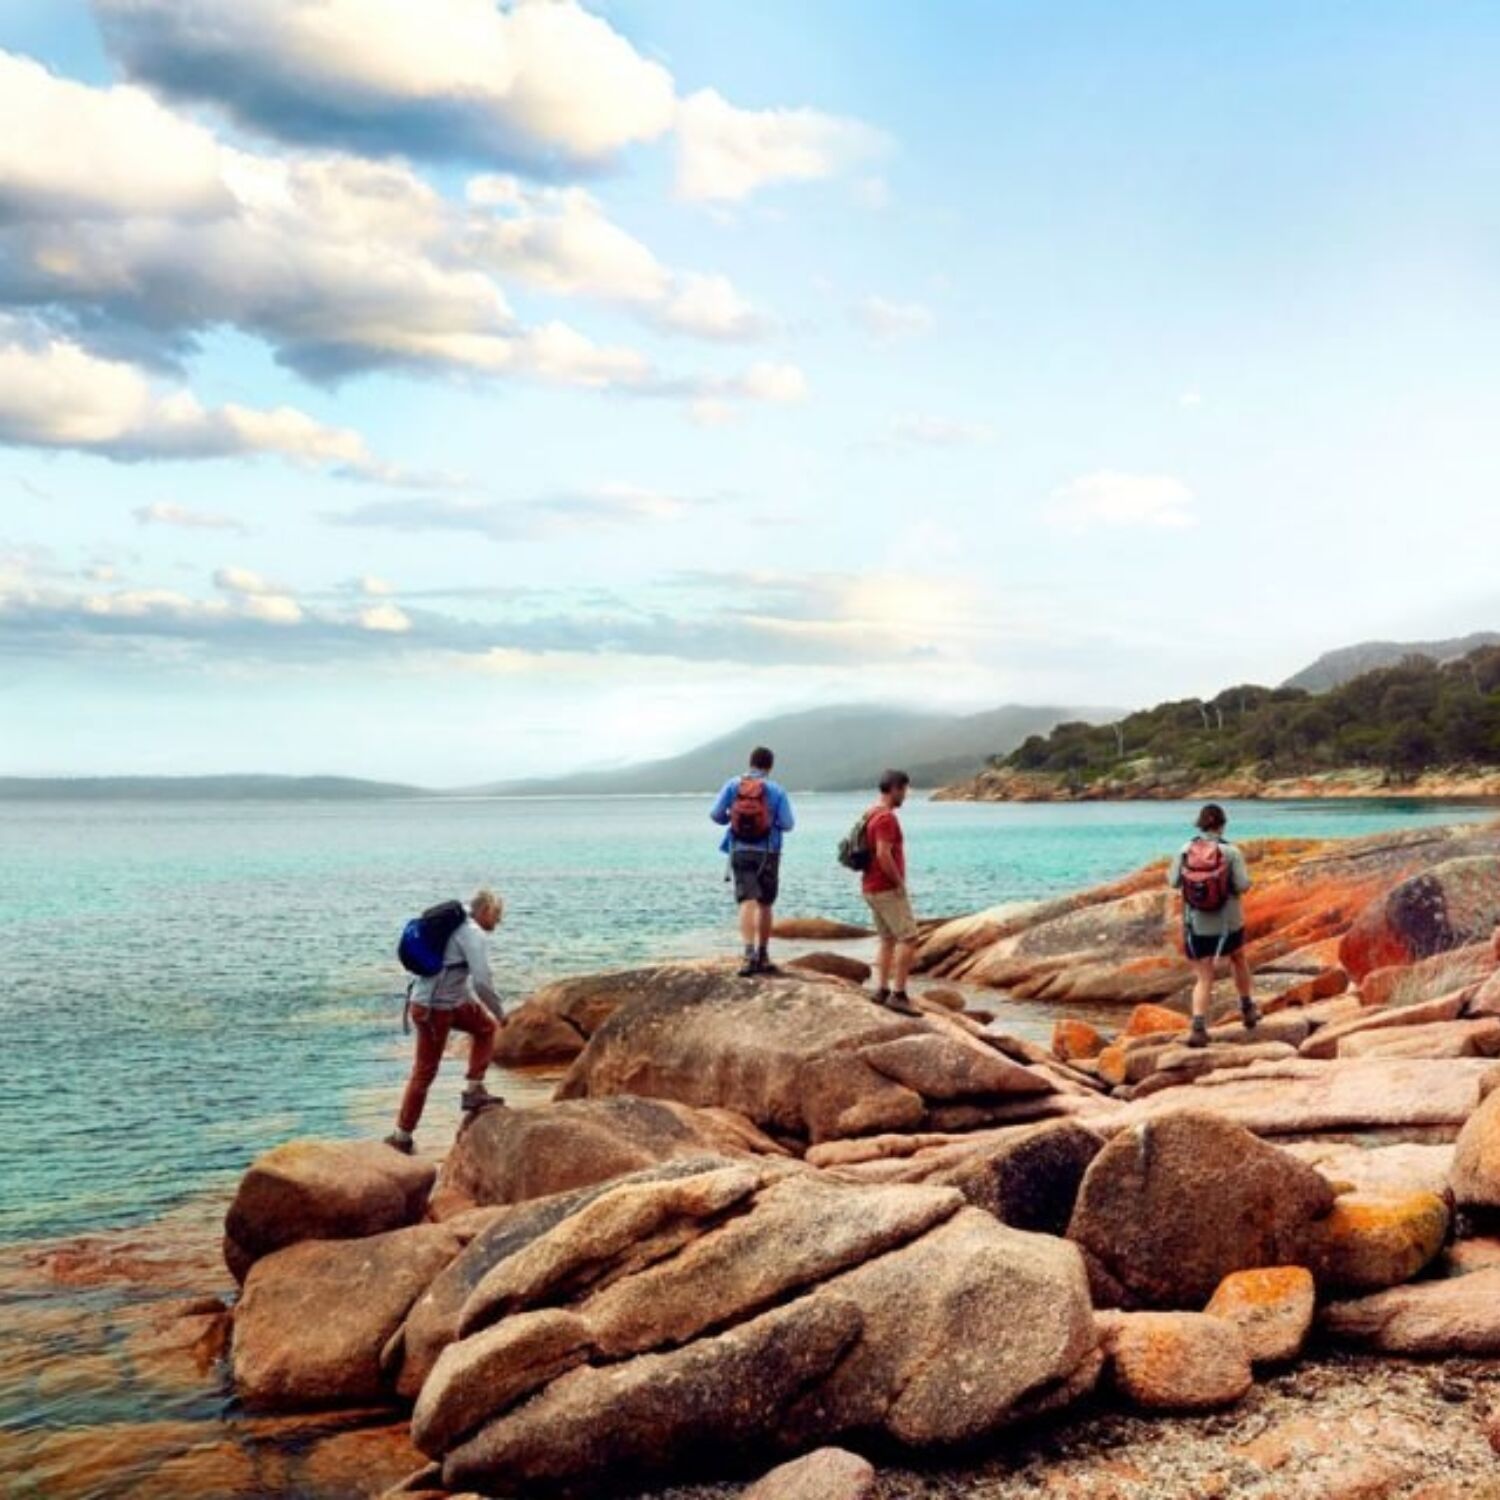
[447,390]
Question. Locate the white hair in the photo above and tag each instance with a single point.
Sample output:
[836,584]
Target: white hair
[484,899]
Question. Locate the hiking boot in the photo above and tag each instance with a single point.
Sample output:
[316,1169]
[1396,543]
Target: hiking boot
[881,996]
[402,1143]
[766,967]
[1198,1033]
[476,1097]
[1249,1013]
[750,968]
[900,1002]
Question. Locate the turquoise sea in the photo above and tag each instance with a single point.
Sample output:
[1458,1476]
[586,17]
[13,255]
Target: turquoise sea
[187,984]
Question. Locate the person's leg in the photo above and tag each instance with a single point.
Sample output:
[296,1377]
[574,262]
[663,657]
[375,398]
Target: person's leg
[1249,1012]
[884,955]
[765,916]
[905,952]
[431,1028]
[1203,992]
[748,922]
[473,1018]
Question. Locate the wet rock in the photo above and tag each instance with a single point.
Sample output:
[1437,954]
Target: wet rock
[801,1058]
[1457,1316]
[1072,1040]
[314,1319]
[1371,1241]
[322,1190]
[1272,1307]
[512,1155]
[356,1465]
[1176,1361]
[1172,1206]
[838,965]
[817,930]
[1475,1175]
[824,1474]
[1446,907]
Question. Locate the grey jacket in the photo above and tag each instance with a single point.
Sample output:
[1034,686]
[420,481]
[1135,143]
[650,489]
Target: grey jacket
[1231,917]
[466,969]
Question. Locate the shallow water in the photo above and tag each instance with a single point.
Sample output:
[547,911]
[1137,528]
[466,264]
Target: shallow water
[188,984]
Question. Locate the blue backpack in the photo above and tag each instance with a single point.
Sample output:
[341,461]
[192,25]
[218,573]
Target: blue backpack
[424,939]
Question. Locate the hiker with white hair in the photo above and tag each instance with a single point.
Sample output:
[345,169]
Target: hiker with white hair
[452,989]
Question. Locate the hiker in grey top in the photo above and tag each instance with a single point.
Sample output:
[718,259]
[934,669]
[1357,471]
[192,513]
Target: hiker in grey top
[461,997]
[1212,875]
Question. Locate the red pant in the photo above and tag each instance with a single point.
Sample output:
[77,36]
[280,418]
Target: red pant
[432,1027]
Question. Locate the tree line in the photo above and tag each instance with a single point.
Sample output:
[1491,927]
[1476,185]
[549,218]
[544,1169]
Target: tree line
[1404,720]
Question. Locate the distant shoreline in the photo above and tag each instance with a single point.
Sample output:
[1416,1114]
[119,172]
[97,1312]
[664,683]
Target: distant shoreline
[1351,784]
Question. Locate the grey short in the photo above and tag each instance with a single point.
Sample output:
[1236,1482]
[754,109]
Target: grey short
[757,875]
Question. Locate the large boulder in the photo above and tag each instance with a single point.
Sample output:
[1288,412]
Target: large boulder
[803,1059]
[432,1323]
[1475,1174]
[1176,1361]
[1477,1038]
[811,1309]
[1451,905]
[1459,1316]
[512,1155]
[817,930]
[314,1319]
[322,1190]
[1170,1207]
[555,1023]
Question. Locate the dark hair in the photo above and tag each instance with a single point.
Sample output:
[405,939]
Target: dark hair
[890,780]
[761,759]
[1212,818]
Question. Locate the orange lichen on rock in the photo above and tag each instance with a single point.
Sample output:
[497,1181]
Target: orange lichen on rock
[1072,1040]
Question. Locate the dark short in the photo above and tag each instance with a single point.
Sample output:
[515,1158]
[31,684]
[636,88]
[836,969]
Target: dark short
[1206,944]
[757,875]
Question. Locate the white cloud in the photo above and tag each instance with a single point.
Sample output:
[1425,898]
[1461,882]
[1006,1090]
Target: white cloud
[525,82]
[769,380]
[384,617]
[886,321]
[70,150]
[560,239]
[1110,498]
[940,432]
[1190,398]
[55,394]
[165,513]
[725,153]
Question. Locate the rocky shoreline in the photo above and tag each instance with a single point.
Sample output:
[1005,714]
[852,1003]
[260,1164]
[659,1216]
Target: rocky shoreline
[1143,782]
[762,1219]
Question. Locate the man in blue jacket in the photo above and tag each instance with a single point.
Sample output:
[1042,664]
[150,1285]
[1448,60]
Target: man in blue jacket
[754,812]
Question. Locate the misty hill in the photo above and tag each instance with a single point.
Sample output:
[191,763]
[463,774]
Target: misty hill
[197,788]
[831,750]
[1334,668]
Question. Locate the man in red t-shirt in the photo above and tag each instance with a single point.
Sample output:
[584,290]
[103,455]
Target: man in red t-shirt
[884,887]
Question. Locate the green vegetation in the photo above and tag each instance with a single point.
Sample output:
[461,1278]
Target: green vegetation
[1403,720]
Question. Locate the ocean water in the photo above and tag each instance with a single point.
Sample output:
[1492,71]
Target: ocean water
[185,985]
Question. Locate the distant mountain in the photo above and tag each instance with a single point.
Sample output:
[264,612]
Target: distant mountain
[1334,668]
[197,788]
[830,750]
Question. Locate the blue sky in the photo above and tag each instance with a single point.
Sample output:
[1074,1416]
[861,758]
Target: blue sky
[439,390]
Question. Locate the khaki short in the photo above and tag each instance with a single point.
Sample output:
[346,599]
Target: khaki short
[893,915]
